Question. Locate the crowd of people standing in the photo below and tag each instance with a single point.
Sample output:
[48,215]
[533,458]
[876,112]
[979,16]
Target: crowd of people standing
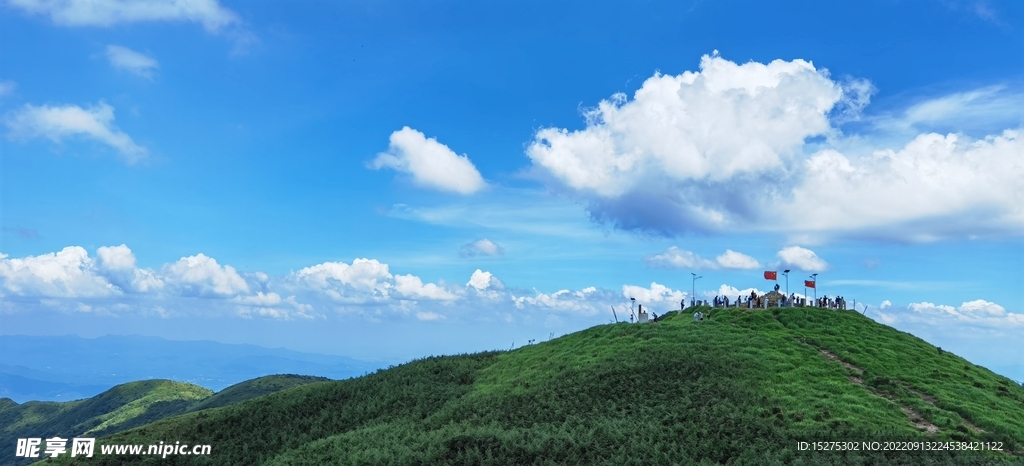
[761,301]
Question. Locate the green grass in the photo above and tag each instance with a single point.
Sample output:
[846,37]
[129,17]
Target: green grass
[742,388]
[253,388]
[124,407]
[120,408]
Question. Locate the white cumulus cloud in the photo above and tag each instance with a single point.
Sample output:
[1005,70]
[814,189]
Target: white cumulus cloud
[117,264]
[69,273]
[481,247]
[134,62]
[412,287]
[977,312]
[655,294]
[934,187]
[430,163]
[687,149]
[676,258]
[484,280]
[61,122]
[801,259]
[587,301]
[201,275]
[732,292]
[727,147]
[363,278]
[736,260]
[209,13]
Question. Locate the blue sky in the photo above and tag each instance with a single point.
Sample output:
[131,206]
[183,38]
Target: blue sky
[394,179]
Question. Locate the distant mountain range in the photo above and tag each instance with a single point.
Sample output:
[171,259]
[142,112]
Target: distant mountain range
[63,368]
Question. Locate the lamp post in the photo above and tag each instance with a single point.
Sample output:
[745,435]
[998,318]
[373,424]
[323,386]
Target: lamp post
[693,287]
[786,273]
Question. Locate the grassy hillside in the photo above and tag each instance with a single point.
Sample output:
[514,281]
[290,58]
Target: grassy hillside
[253,388]
[122,407]
[742,388]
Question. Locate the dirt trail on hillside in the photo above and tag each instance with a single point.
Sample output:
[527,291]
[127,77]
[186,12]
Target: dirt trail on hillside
[931,400]
[914,417]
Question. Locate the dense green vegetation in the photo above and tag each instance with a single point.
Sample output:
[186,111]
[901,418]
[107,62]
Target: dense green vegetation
[124,407]
[743,388]
[253,388]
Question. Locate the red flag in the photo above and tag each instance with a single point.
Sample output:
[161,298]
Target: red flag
[771,275]
[809,283]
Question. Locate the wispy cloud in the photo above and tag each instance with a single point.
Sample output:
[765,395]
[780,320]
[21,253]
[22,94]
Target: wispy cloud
[58,123]
[982,109]
[134,62]
[7,87]
[481,247]
[209,13]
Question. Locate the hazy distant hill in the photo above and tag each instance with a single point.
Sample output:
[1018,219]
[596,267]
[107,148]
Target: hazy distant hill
[254,388]
[66,368]
[742,388]
[124,407]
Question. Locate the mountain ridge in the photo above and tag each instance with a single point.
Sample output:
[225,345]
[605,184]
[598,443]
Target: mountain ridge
[745,387]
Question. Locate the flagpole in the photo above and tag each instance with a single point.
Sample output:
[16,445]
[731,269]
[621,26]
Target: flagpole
[786,273]
[693,287]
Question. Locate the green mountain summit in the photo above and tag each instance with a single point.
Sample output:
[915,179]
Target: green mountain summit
[742,387]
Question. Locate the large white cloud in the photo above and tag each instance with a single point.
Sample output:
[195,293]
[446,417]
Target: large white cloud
[657,295]
[69,273]
[412,286]
[800,258]
[481,281]
[134,62]
[209,13]
[117,264]
[430,163]
[201,275]
[726,148]
[936,186]
[61,122]
[341,281]
[676,258]
[687,150]
[723,121]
